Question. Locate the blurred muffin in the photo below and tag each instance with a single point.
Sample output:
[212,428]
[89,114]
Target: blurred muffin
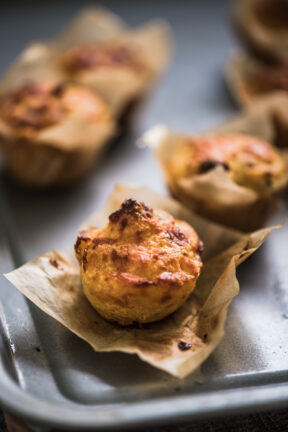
[250,79]
[99,50]
[266,107]
[279,118]
[115,69]
[50,134]
[262,26]
[232,179]
[141,267]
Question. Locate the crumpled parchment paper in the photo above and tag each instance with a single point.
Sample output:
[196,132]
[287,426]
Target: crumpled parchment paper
[52,282]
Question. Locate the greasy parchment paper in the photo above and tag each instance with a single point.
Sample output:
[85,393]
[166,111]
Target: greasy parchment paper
[213,194]
[52,282]
[42,60]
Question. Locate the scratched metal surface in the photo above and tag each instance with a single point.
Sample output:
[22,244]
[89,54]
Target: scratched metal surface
[47,374]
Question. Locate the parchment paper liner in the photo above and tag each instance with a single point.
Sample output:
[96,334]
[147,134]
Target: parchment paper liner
[267,119]
[92,25]
[265,114]
[240,71]
[267,42]
[213,195]
[52,282]
[58,154]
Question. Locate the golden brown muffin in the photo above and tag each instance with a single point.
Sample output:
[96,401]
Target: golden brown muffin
[115,69]
[50,133]
[249,161]
[232,179]
[141,267]
[262,25]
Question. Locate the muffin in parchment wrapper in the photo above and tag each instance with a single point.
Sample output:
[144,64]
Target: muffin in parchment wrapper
[179,343]
[141,266]
[52,132]
[98,50]
[266,118]
[262,28]
[219,187]
[265,101]
[260,68]
[250,80]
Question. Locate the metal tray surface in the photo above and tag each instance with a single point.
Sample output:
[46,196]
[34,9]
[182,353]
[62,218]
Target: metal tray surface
[50,376]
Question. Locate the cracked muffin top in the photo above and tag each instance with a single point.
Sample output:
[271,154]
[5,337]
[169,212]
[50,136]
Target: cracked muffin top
[141,267]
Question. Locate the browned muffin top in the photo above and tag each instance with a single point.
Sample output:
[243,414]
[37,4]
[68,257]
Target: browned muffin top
[141,266]
[90,57]
[249,161]
[34,106]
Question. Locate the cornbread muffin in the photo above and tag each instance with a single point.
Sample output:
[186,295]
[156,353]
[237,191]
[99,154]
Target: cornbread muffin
[50,134]
[141,267]
[232,179]
[116,69]
[250,162]
[262,26]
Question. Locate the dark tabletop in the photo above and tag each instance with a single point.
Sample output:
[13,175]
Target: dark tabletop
[276,421]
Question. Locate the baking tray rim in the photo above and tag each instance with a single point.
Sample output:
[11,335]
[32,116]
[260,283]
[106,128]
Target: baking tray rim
[159,410]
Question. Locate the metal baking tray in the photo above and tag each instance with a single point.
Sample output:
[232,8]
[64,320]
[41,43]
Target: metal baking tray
[47,374]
